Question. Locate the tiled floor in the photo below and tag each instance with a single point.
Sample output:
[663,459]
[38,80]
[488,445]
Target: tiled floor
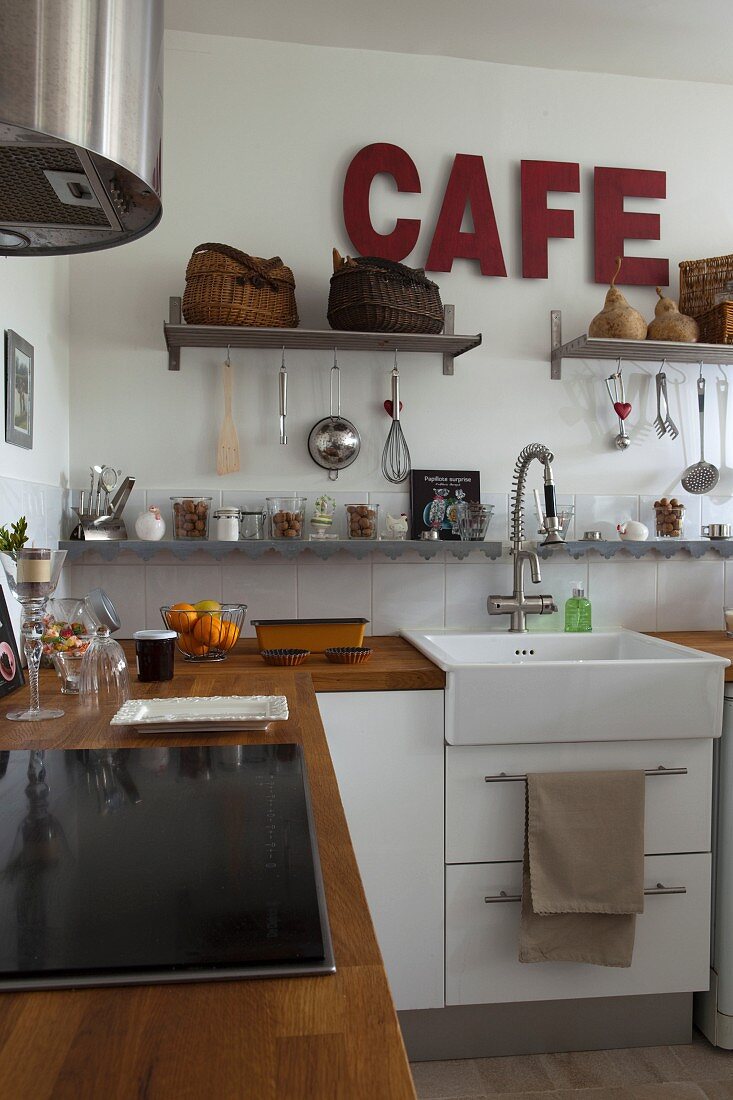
[695,1072]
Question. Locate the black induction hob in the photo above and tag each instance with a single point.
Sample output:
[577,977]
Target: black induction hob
[131,866]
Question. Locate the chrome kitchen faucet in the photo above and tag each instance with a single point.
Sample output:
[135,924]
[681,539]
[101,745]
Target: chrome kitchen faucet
[519,605]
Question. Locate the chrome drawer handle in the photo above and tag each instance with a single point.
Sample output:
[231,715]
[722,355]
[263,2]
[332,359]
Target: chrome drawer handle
[660,888]
[502,777]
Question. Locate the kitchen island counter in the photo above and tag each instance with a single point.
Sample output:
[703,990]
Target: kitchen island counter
[334,1036]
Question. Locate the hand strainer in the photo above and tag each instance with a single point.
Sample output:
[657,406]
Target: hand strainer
[702,476]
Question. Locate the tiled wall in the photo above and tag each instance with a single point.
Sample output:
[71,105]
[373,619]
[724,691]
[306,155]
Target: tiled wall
[648,594]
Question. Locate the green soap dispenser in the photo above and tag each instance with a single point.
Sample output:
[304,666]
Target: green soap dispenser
[577,612]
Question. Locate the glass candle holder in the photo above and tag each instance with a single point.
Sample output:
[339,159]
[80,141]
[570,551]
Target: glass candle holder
[32,575]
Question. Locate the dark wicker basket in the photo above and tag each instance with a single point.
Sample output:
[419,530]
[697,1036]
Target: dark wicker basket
[227,287]
[373,295]
[700,280]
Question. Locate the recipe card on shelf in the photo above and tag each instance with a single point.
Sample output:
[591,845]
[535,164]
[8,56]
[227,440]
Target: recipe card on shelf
[433,498]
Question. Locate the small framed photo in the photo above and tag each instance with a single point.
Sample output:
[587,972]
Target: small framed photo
[19,391]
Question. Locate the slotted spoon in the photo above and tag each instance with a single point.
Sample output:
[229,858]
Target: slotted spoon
[227,451]
[702,476]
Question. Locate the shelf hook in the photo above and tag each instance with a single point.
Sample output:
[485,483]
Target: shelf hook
[664,363]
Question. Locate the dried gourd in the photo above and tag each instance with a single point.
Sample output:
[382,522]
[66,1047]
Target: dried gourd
[617,320]
[670,324]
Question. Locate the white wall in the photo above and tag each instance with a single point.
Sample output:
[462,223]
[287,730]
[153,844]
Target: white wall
[257,139]
[34,302]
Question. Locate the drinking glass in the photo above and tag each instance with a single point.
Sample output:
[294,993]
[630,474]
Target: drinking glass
[104,677]
[473,520]
[32,575]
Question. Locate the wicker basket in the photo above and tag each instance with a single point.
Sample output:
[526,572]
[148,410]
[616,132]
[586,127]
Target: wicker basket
[700,280]
[373,295]
[227,287]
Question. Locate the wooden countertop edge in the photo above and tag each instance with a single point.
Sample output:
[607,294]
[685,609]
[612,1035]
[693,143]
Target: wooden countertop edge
[272,1039]
[709,641]
[394,665]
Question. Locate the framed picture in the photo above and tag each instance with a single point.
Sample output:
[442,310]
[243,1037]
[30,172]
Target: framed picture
[18,391]
[11,674]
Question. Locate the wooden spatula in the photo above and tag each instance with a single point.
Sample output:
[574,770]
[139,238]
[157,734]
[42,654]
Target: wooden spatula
[227,451]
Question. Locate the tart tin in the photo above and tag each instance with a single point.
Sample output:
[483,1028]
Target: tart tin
[348,655]
[287,657]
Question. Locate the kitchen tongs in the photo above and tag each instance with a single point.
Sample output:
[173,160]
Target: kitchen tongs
[664,424]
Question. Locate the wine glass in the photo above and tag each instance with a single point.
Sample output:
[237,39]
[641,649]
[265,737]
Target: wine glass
[32,575]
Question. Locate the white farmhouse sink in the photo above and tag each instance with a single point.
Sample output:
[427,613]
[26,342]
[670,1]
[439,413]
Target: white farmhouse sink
[504,688]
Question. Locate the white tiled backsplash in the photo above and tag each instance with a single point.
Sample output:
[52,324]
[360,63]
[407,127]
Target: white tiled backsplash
[648,594]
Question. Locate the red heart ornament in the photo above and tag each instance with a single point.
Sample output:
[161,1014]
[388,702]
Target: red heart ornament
[622,409]
[388,407]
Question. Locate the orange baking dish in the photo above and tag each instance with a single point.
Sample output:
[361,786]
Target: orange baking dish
[316,635]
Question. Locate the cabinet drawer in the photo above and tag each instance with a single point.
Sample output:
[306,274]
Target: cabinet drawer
[485,821]
[671,951]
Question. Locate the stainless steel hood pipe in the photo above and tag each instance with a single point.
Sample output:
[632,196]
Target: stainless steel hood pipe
[80,123]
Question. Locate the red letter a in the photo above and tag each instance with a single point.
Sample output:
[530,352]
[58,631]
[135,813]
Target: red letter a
[467,185]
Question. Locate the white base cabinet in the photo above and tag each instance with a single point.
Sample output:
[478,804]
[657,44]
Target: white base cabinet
[671,950]
[387,750]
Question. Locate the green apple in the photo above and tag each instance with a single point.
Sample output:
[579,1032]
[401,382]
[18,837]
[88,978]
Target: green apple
[207,605]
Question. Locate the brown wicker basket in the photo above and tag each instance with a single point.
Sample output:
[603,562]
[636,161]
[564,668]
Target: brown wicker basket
[700,280]
[369,294]
[227,287]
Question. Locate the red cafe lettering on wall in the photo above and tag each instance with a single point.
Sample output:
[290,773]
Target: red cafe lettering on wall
[468,189]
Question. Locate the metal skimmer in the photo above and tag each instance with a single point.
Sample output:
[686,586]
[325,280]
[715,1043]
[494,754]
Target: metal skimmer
[702,476]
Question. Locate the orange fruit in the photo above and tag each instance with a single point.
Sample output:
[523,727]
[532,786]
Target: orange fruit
[191,646]
[181,617]
[207,630]
[229,635]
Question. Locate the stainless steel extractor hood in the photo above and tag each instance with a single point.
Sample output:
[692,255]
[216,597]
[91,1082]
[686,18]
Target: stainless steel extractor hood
[80,123]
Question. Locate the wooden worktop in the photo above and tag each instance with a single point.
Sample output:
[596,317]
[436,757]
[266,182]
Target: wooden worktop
[394,665]
[710,641]
[334,1037]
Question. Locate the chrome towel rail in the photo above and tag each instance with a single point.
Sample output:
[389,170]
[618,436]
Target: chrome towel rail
[660,888]
[502,777]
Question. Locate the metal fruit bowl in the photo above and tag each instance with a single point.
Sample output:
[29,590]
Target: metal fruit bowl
[205,635]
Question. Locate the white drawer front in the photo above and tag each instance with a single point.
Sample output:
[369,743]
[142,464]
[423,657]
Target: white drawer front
[485,821]
[671,952]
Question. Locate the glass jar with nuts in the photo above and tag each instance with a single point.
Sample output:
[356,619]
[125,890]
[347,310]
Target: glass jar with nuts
[191,517]
[670,518]
[362,520]
[287,517]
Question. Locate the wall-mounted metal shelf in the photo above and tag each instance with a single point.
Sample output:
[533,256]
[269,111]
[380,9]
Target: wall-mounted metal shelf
[655,351]
[666,548]
[179,335]
[109,550]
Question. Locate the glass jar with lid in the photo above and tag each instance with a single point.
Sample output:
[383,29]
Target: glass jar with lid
[227,524]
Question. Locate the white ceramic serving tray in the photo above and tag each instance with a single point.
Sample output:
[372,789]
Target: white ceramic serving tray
[215,712]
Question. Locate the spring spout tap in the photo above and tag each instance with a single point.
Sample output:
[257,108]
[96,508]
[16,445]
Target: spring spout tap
[518,606]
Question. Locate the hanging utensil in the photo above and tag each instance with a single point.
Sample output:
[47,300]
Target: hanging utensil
[95,494]
[396,454]
[702,476]
[227,449]
[620,406]
[283,383]
[108,480]
[334,442]
[663,424]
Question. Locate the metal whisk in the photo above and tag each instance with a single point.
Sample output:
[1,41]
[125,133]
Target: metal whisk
[396,454]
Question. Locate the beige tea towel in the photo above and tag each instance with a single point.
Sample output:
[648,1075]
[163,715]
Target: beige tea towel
[583,880]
